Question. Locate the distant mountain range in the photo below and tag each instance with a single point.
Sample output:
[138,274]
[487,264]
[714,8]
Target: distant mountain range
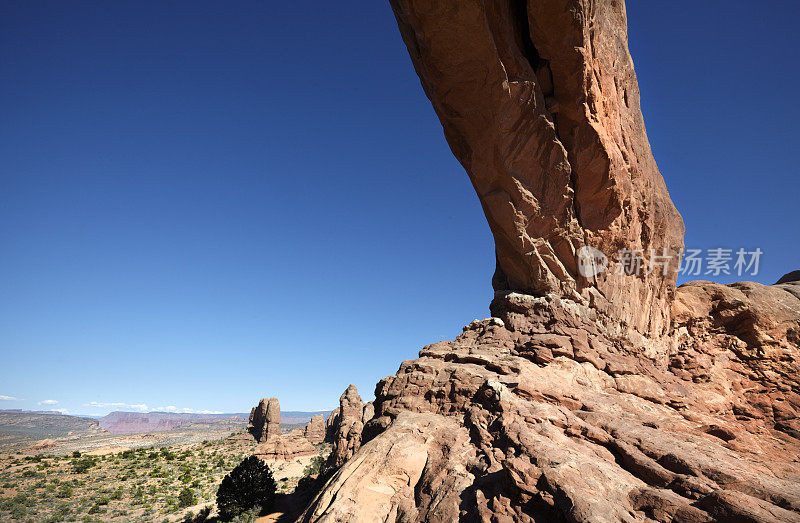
[54,423]
[19,426]
[137,422]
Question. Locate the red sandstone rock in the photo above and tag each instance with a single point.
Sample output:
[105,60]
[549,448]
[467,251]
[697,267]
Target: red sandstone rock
[540,104]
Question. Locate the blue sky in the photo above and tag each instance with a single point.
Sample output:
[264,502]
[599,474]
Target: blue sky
[204,205]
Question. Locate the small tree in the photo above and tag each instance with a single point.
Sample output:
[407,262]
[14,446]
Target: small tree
[248,485]
[186,498]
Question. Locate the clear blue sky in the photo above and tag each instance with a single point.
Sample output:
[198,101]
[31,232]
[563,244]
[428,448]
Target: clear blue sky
[203,205]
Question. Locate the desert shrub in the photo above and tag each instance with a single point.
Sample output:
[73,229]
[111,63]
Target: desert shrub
[117,494]
[248,516]
[315,467]
[186,498]
[201,516]
[103,500]
[81,465]
[18,512]
[127,454]
[64,491]
[60,513]
[249,484]
[76,454]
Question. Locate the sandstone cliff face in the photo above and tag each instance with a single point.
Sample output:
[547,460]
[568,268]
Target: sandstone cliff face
[265,419]
[540,104]
[605,398]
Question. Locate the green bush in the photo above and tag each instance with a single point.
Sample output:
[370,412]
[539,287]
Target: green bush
[60,513]
[186,498]
[64,491]
[248,485]
[315,467]
[80,466]
[76,454]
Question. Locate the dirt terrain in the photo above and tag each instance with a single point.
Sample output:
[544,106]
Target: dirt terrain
[133,478]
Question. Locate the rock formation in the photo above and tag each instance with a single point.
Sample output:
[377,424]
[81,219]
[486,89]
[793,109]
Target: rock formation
[285,447]
[331,425]
[585,397]
[368,412]
[348,427]
[540,104]
[314,430]
[265,419]
[539,415]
